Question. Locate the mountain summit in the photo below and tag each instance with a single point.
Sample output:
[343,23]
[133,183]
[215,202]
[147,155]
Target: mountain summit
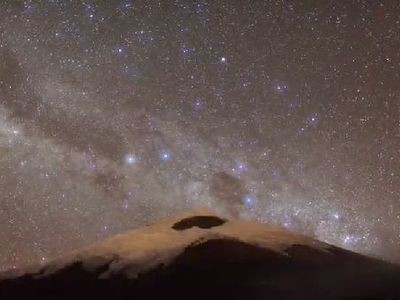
[199,255]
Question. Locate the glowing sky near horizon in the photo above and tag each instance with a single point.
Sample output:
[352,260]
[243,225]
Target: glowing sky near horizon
[116,113]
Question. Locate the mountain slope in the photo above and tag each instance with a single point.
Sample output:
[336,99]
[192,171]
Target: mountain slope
[199,255]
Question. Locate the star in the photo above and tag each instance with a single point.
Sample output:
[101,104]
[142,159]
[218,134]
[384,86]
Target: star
[165,155]
[249,201]
[130,159]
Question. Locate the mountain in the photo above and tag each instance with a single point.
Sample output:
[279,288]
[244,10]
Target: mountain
[199,255]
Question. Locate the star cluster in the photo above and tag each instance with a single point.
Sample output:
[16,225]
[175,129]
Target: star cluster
[116,113]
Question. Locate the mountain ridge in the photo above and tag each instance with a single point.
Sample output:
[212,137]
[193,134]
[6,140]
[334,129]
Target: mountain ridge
[212,255]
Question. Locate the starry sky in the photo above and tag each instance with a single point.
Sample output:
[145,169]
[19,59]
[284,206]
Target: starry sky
[116,113]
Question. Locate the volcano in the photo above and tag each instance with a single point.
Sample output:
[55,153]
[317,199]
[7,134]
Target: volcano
[199,255]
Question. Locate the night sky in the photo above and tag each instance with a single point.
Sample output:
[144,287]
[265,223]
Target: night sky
[114,114]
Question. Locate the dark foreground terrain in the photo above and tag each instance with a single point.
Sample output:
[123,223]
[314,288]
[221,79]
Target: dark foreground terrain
[207,257]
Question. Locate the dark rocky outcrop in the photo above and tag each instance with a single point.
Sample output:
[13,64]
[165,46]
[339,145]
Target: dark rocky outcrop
[203,222]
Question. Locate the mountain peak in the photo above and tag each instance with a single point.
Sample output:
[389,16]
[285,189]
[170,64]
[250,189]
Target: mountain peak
[207,255]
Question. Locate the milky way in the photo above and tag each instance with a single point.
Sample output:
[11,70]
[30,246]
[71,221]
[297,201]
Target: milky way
[116,113]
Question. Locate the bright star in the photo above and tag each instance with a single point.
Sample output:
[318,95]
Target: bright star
[249,200]
[198,104]
[281,88]
[130,159]
[165,155]
[348,239]
[314,119]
